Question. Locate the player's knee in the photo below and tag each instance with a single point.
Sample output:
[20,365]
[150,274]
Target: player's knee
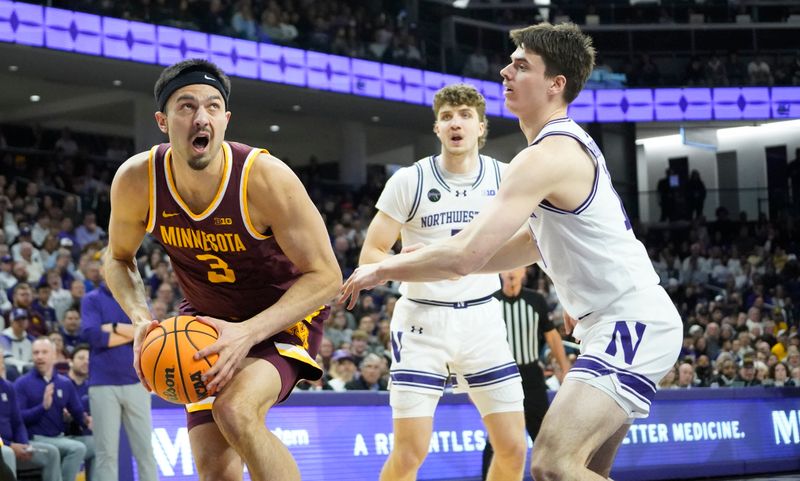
[409,458]
[511,449]
[232,417]
[547,464]
[548,469]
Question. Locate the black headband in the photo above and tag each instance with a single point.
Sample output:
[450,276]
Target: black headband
[190,77]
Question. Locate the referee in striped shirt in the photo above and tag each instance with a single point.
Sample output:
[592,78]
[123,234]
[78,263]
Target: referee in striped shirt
[527,326]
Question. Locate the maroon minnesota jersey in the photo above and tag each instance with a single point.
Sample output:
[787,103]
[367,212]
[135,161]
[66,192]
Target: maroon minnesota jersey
[225,267]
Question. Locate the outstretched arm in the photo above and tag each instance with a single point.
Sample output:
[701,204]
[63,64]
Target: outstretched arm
[126,229]
[519,251]
[382,234]
[533,175]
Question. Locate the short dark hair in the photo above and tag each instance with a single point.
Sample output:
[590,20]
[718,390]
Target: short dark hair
[190,65]
[80,347]
[565,51]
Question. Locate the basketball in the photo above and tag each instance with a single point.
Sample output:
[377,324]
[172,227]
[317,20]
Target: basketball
[167,359]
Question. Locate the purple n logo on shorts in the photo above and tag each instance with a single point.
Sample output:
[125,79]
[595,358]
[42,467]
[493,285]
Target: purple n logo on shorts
[397,345]
[628,349]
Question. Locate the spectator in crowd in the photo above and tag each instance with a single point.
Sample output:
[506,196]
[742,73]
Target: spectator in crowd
[686,376]
[78,373]
[18,451]
[88,232]
[477,65]
[77,290]
[695,73]
[370,378]
[697,194]
[17,343]
[31,258]
[343,369]
[22,298]
[243,21]
[62,359]
[43,311]
[336,329]
[759,72]
[66,144]
[7,279]
[115,393]
[43,396]
[747,374]
[666,198]
[735,69]
[40,229]
[727,373]
[716,72]
[64,267]
[359,343]
[70,330]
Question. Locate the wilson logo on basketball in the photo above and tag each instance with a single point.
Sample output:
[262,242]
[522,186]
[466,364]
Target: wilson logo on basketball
[198,384]
[167,359]
[169,380]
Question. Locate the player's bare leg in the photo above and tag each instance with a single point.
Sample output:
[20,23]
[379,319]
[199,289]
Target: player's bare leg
[509,441]
[239,411]
[215,459]
[581,421]
[412,437]
[604,457]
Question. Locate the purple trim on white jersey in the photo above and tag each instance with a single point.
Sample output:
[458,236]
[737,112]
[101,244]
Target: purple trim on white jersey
[585,204]
[437,175]
[417,193]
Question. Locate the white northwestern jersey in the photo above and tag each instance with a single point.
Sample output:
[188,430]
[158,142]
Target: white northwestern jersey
[598,267]
[433,204]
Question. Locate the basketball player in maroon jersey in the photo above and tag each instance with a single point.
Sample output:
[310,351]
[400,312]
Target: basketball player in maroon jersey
[252,257]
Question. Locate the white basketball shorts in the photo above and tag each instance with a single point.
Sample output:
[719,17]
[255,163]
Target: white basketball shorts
[627,359]
[431,342]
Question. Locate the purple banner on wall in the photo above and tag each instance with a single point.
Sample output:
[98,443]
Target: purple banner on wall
[88,34]
[335,436]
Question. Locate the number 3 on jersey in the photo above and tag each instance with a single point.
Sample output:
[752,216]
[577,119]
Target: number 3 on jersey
[219,272]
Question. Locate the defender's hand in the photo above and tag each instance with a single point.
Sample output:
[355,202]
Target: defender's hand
[363,278]
[141,330]
[232,346]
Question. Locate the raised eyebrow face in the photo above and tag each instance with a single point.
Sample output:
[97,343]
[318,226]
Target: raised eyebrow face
[445,110]
[192,97]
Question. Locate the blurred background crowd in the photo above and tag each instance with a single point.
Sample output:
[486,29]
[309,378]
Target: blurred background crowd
[735,281]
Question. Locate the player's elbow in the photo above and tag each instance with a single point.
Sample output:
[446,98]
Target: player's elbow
[466,264]
[332,280]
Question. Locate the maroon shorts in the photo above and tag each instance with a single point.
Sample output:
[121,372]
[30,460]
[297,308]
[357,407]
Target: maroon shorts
[277,350]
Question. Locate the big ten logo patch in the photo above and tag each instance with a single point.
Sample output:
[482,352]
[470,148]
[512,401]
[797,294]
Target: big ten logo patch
[223,221]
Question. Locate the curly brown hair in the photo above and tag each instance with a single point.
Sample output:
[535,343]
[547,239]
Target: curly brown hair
[463,94]
[564,49]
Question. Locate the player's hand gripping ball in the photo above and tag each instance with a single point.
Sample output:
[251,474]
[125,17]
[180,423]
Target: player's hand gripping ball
[167,359]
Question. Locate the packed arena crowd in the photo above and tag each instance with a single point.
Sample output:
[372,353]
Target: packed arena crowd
[736,282]
[389,31]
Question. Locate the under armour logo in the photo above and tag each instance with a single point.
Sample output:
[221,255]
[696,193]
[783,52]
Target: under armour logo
[461,193]
[414,329]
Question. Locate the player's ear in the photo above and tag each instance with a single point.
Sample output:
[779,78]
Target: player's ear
[558,84]
[161,120]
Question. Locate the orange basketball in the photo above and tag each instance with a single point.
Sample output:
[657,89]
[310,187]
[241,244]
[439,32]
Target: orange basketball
[167,359]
